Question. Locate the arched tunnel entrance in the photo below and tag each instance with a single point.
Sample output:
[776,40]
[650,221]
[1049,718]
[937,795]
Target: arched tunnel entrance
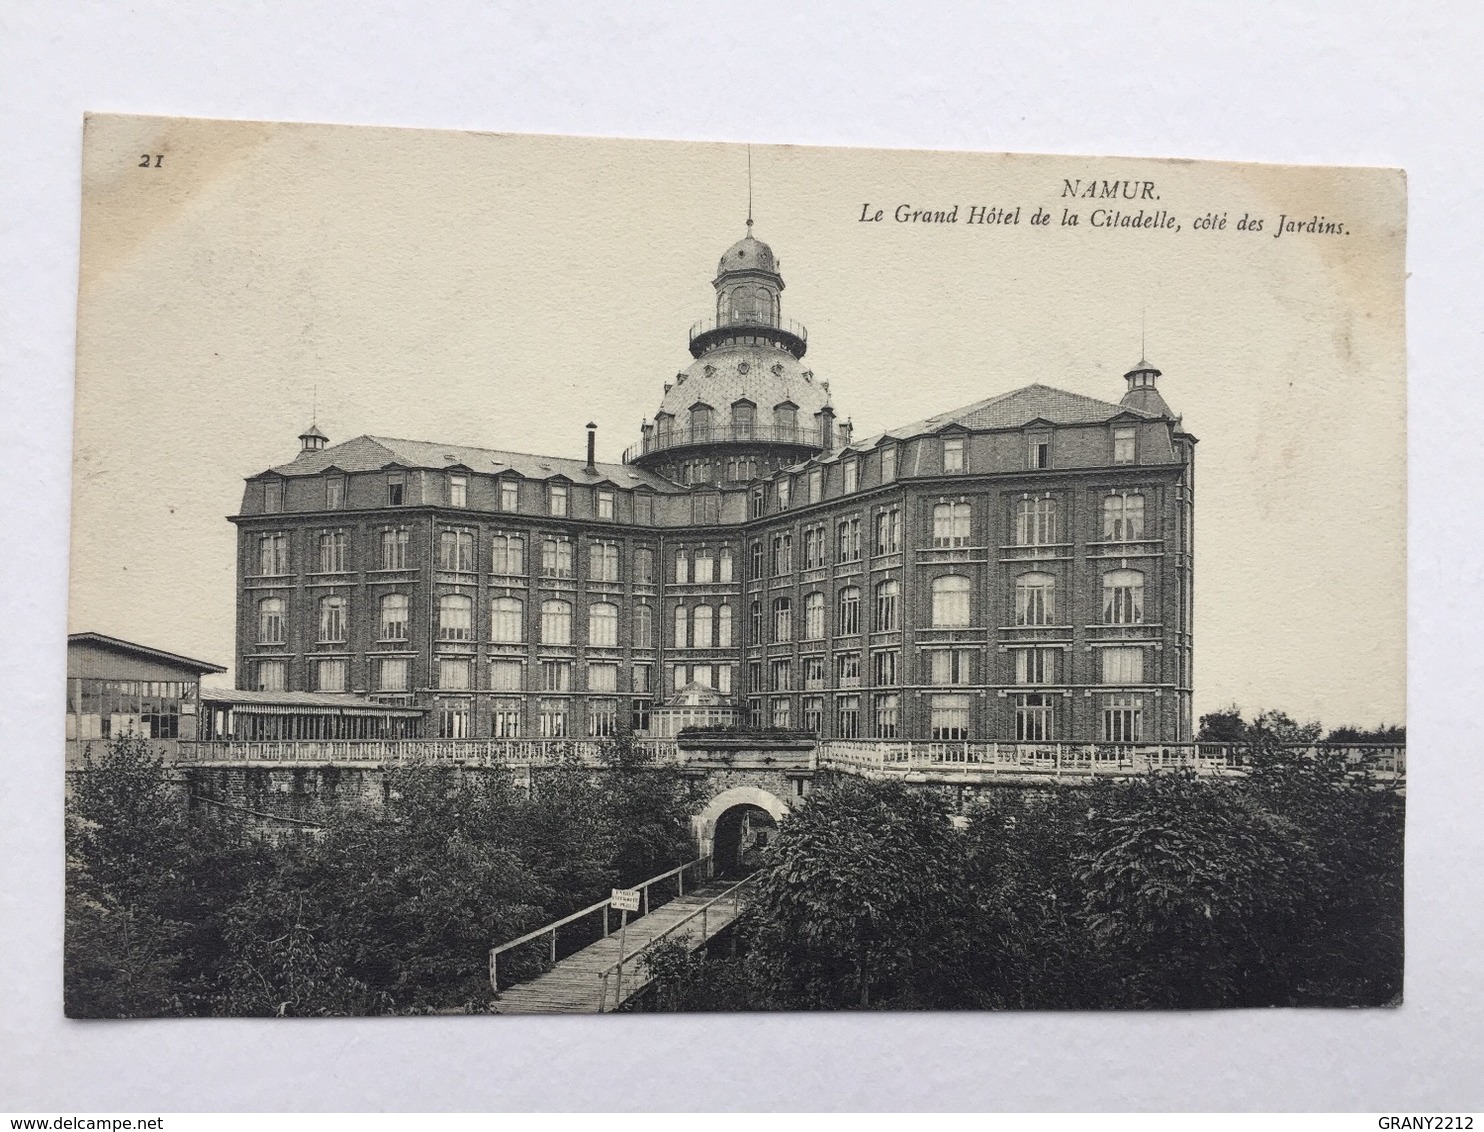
[736,826]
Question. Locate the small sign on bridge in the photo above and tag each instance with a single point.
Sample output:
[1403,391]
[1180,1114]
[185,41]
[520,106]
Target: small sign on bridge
[625,899]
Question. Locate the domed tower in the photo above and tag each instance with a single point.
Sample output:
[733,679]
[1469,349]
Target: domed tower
[1142,391]
[746,404]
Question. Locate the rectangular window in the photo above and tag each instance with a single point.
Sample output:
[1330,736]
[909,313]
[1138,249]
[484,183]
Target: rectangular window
[273,555]
[509,495]
[949,717]
[644,566]
[701,674]
[1038,454]
[953,454]
[556,499]
[456,550]
[756,557]
[813,673]
[556,558]
[783,620]
[1123,666]
[602,562]
[782,715]
[950,666]
[706,509]
[851,473]
[783,554]
[724,679]
[705,568]
[813,548]
[759,502]
[453,673]
[641,679]
[724,565]
[334,493]
[1123,518]
[643,508]
[396,493]
[848,622]
[1123,719]
[813,714]
[273,496]
[458,490]
[848,717]
[508,555]
[1035,666]
[553,718]
[602,719]
[848,540]
[605,503]
[1123,446]
[755,676]
[1035,521]
[848,670]
[394,549]
[951,524]
[505,719]
[757,623]
[886,711]
[602,677]
[884,669]
[331,675]
[272,675]
[556,675]
[1034,722]
[784,487]
[453,719]
[779,676]
[392,674]
[889,531]
[505,675]
[332,552]
[816,485]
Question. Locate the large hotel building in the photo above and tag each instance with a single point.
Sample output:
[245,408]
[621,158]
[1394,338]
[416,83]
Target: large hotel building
[1018,569]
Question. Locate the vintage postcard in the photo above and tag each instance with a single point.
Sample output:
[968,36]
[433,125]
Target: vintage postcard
[522,574]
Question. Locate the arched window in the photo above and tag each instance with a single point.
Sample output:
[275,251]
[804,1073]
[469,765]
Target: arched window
[1035,522]
[556,622]
[643,627]
[602,625]
[682,623]
[1123,597]
[848,612]
[644,566]
[700,421]
[701,627]
[1123,518]
[332,618]
[602,562]
[394,617]
[456,617]
[1035,599]
[724,627]
[509,555]
[785,419]
[888,605]
[950,602]
[814,616]
[783,620]
[270,621]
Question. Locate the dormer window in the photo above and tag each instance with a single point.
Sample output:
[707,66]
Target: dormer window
[395,489]
[759,501]
[556,499]
[458,490]
[888,464]
[816,485]
[783,493]
[273,496]
[852,476]
[953,453]
[1123,445]
[509,495]
[605,503]
[1038,452]
[334,493]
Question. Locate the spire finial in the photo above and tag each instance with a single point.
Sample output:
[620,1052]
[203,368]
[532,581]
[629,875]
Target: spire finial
[314,406]
[749,188]
[1143,313]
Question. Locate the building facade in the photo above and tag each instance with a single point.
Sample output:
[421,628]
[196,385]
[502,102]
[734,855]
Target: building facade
[1019,569]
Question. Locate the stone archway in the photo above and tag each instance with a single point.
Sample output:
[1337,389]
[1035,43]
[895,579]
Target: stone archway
[704,823]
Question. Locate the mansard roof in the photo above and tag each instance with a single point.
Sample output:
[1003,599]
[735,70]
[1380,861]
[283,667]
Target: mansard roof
[1017,409]
[372,453]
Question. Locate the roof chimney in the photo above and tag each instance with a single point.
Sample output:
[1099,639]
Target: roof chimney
[592,444]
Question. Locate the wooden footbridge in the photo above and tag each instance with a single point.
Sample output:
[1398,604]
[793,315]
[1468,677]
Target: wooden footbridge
[610,971]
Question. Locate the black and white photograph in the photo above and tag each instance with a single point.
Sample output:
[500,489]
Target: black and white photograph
[502,584]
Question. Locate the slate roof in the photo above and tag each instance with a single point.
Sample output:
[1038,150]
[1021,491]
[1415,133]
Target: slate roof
[1016,409]
[372,453]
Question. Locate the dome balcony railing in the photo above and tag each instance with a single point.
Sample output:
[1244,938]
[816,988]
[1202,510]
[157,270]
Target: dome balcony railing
[784,333]
[737,433]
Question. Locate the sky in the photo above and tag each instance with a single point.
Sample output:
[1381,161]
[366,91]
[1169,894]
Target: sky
[503,290]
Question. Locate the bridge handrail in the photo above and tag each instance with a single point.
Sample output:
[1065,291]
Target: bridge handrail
[731,893]
[601,905]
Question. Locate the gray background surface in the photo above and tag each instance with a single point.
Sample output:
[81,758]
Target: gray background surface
[1296,82]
